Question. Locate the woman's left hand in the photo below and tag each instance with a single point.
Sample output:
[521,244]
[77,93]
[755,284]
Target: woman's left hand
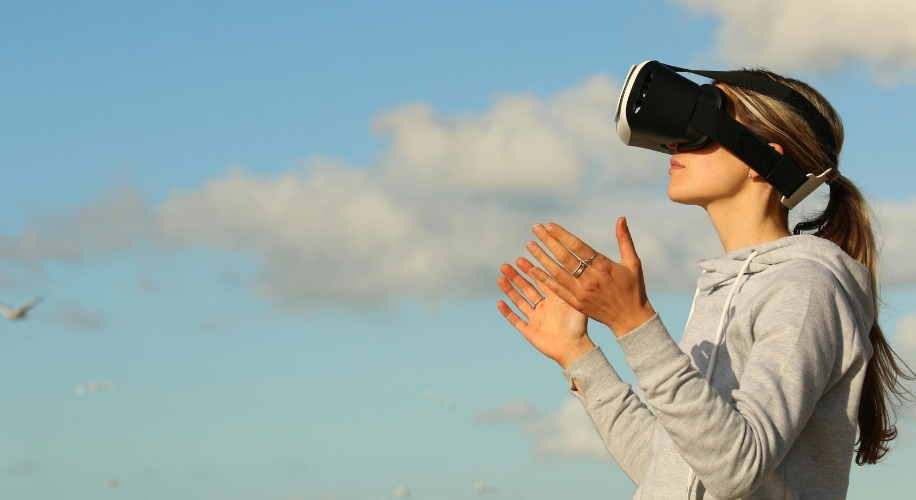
[553,327]
[608,292]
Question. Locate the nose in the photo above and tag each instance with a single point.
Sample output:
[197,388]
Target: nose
[672,147]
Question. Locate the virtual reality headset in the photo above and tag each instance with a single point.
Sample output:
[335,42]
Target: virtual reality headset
[659,107]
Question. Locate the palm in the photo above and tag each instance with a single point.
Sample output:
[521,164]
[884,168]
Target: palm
[553,326]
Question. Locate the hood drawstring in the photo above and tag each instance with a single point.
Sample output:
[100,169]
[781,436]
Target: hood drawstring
[720,338]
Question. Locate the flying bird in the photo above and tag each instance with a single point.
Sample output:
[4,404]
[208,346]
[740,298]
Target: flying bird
[440,398]
[19,312]
[93,387]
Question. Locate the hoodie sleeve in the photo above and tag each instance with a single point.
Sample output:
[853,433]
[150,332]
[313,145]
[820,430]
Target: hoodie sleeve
[622,420]
[733,447]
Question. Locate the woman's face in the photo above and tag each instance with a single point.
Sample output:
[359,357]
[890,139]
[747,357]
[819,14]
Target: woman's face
[702,176]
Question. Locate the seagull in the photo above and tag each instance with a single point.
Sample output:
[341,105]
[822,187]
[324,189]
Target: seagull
[19,312]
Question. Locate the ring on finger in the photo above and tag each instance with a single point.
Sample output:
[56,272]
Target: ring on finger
[589,260]
[579,270]
[538,301]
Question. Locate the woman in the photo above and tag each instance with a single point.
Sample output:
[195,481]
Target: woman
[782,359]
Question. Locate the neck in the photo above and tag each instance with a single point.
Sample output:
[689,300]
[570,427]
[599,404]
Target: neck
[745,221]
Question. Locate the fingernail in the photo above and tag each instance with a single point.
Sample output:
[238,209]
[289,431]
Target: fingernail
[531,245]
[551,228]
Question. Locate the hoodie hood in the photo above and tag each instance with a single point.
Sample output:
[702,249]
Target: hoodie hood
[851,275]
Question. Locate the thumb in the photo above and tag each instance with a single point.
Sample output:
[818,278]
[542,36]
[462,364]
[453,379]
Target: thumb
[628,257]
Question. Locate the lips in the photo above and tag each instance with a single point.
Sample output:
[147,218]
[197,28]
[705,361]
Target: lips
[675,165]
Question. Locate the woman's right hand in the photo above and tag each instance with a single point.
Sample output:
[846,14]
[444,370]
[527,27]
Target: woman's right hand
[553,327]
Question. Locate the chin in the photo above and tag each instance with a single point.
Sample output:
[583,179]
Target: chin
[678,196]
[684,199]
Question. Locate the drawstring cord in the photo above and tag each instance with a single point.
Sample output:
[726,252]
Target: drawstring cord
[720,337]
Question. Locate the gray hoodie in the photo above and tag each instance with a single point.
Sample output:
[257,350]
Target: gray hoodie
[776,416]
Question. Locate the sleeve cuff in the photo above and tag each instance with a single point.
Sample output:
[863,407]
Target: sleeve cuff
[596,377]
[648,346]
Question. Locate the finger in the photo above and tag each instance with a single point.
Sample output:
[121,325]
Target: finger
[532,293]
[526,267]
[561,254]
[570,241]
[513,318]
[549,265]
[553,286]
[628,255]
[520,302]
[524,264]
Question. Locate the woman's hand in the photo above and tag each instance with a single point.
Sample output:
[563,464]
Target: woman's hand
[554,328]
[608,292]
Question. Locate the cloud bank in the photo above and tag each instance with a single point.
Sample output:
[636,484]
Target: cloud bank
[564,435]
[816,35]
[448,201]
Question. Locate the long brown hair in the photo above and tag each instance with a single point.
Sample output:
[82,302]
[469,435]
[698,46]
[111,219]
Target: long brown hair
[844,221]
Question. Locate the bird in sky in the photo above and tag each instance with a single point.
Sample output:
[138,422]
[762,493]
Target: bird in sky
[19,312]
[93,387]
[439,397]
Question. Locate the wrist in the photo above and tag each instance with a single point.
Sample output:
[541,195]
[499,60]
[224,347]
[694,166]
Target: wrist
[633,321]
[575,352]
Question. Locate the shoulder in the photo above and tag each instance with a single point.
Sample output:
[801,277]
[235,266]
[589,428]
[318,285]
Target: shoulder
[798,292]
[802,270]
[800,275]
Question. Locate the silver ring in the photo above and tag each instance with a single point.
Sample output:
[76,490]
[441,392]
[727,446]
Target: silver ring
[579,270]
[589,260]
[538,302]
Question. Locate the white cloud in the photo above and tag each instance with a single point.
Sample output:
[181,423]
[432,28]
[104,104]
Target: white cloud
[906,336]
[451,199]
[564,435]
[905,345]
[817,35]
[897,238]
[523,145]
[116,221]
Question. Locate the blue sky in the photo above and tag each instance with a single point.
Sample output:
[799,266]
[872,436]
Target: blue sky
[237,219]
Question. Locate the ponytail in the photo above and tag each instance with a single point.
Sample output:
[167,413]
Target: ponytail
[844,221]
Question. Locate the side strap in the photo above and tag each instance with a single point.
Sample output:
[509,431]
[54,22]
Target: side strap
[778,170]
